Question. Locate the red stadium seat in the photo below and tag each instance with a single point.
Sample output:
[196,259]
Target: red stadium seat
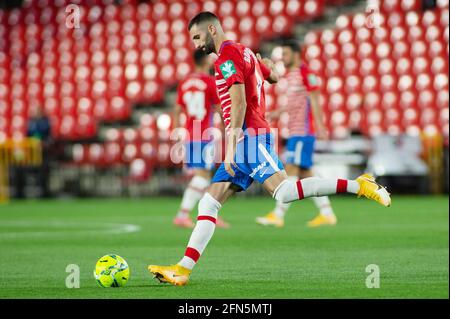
[403,66]
[402,49]
[426,99]
[86,127]
[442,100]
[163,154]
[330,51]
[147,134]
[113,153]
[365,50]
[383,50]
[372,101]
[96,154]
[408,99]
[367,67]
[130,152]
[410,117]
[350,66]
[429,18]
[293,8]
[386,66]
[354,102]
[370,84]
[113,135]
[334,84]
[79,154]
[423,82]
[436,50]
[148,151]
[428,116]
[67,128]
[420,65]
[333,67]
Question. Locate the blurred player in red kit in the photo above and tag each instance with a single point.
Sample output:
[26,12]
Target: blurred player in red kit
[305,124]
[197,98]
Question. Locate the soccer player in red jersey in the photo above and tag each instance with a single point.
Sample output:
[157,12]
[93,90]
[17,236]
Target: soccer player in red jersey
[305,124]
[197,99]
[250,153]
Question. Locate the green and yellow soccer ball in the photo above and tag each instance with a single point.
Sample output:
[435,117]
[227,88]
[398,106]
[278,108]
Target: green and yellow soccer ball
[111,271]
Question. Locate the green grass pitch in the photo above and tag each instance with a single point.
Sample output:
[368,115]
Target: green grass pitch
[409,243]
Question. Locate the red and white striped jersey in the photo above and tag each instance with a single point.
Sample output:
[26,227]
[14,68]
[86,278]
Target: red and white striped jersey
[238,64]
[300,82]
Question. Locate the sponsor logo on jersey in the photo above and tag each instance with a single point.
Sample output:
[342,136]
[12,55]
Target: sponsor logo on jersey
[228,69]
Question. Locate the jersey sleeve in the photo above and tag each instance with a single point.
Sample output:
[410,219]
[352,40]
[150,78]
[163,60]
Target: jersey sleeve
[309,78]
[231,66]
[265,70]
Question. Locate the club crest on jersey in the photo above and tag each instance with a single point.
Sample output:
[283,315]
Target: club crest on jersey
[227,68]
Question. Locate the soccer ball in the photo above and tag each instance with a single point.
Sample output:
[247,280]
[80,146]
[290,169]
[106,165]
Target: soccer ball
[111,271]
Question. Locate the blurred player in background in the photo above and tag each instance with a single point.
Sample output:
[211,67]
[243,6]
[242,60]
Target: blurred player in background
[197,98]
[305,124]
[250,154]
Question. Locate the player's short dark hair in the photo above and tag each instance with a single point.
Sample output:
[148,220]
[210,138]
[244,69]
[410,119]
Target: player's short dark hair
[199,56]
[202,17]
[292,44]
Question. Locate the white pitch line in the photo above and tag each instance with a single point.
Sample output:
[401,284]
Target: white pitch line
[76,229]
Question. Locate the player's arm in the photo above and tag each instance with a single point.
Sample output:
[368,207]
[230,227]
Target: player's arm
[177,130]
[218,110]
[176,115]
[311,83]
[317,111]
[237,116]
[272,74]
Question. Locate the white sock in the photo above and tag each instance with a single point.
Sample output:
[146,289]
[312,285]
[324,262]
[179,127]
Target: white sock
[289,191]
[324,205]
[192,195]
[208,208]
[281,208]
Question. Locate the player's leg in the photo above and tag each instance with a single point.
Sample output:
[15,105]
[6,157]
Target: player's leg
[223,186]
[281,188]
[326,215]
[200,157]
[288,191]
[276,216]
[305,163]
[208,208]
[192,194]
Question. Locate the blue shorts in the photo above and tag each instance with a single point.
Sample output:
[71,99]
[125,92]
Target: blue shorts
[200,155]
[300,150]
[256,160]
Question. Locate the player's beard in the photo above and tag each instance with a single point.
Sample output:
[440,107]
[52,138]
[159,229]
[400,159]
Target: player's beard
[209,46]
